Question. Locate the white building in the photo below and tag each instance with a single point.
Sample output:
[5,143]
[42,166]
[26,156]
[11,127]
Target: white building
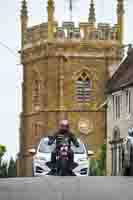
[119,113]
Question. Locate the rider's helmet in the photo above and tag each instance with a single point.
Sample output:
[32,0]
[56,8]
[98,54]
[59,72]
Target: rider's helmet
[64,126]
[130,132]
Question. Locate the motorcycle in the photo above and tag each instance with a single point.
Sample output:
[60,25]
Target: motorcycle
[63,167]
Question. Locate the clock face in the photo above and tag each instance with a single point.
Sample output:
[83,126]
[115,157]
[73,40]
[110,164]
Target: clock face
[85,126]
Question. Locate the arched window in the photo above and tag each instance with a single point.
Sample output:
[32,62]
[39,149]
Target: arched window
[35,126]
[83,90]
[36,94]
[37,130]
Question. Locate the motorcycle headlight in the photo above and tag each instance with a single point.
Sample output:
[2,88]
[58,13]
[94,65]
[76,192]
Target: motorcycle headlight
[38,158]
[82,159]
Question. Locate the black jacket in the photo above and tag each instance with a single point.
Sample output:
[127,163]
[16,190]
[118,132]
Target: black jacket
[58,137]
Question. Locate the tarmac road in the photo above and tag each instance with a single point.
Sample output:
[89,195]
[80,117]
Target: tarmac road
[67,188]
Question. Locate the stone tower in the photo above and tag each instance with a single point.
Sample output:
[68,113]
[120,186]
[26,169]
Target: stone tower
[65,70]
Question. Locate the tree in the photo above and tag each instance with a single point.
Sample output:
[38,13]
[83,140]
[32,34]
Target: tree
[12,168]
[2,151]
[3,166]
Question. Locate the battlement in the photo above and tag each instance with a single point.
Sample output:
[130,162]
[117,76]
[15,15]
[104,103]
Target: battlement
[68,31]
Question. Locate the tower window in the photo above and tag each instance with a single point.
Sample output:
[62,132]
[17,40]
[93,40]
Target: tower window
[36,94]
[83,87]
[37,129]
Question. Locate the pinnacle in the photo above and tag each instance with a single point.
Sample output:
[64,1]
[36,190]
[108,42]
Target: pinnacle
[92,18]
[24,8]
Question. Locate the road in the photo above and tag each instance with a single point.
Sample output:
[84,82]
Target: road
[67,188]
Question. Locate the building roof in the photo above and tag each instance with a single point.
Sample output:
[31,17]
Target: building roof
[123,77]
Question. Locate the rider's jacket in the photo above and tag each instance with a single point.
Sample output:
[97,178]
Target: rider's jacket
[59,137]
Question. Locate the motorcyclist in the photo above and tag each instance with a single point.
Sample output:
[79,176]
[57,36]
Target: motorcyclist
[130,132]
[127,153]
[63,132]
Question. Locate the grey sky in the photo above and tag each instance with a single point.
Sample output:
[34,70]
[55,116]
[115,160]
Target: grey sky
[11,73]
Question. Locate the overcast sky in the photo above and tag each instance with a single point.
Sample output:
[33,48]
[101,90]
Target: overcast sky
[11,72]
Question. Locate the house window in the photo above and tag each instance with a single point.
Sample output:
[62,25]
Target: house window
[114,107]
[117,106]
[128,101]
[83,87]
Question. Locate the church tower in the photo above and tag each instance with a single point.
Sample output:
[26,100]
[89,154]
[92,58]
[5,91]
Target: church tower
[65,69]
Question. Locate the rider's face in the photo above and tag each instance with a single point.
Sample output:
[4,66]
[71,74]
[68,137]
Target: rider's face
[64,129]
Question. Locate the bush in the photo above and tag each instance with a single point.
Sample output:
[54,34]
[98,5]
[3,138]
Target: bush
[98,166]
[6,170]
[2,151]
[3,166]
[3,170]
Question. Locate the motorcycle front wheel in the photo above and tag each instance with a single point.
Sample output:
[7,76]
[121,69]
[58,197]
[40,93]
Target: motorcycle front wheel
[62,169]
